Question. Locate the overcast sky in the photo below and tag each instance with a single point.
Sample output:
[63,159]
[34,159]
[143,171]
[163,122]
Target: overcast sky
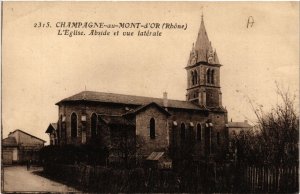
[39,68]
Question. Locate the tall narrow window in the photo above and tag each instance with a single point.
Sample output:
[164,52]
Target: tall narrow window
[208,76]
[196,77]
[198,132]
[212,76]
[73,125]
[152,128]
[94,125]
[218,138]
[192,76]
[182,131]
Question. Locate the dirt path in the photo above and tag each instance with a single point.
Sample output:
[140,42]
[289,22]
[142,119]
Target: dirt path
[17,178]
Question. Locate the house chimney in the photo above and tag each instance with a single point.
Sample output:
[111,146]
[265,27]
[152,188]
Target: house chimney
[231,120]
[165,99]
[246,121]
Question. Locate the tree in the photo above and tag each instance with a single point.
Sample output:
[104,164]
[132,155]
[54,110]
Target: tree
[277,142]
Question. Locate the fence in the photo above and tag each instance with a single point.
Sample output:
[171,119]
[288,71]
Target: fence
[210,178]
[103,179]
[272,179]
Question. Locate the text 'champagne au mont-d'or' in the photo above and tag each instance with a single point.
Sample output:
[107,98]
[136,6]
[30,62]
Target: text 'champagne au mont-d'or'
[71,29]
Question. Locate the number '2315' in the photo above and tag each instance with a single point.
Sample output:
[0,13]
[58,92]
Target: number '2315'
[42,25]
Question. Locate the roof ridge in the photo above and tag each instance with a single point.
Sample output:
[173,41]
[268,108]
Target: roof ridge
[130,95]
[105,97]
[27,134]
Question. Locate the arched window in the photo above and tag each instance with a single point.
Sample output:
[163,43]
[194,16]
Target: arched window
[94,125]
[73,125]
[208,76]
[152,128]
[198,132]
[196,77]
[212,76]
[182,131]
[192,76]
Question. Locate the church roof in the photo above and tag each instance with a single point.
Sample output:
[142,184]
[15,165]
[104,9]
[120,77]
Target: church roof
[141,108]
[128,99]
[115,120]
[202,50]
[202,43]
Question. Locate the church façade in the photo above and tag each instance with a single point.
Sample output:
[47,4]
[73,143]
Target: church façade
[196,126]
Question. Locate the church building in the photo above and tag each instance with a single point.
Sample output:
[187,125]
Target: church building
[193,129]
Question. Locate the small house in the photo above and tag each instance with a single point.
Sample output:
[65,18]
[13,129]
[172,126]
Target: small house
[20,147]
[159,160]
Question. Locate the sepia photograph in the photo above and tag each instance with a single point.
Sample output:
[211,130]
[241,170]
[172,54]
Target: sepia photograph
[150,97]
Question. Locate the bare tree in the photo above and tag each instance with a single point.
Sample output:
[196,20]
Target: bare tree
[277,142]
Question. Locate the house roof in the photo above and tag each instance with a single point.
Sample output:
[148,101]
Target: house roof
[155,155]
[128,99]
[18,130]
[141,108]
[115,120]
[51,127]
[238,125]
[9,141]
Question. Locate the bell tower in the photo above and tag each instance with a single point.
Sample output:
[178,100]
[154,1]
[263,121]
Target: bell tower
[203,72]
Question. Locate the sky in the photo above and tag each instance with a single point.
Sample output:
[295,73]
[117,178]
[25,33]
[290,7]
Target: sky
[39,67]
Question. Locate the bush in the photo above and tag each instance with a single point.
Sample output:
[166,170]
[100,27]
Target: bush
[71,154]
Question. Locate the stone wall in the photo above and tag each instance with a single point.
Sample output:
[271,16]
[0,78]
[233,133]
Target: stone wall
[167,133]
[87,109]
[160,142]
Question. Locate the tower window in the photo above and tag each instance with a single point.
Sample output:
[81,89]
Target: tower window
[218,138]
[94,125]
[182,131]
[212,76]
[208,76]
[192,76]
[196,77]
[73,125]
[198,132]
[152,128]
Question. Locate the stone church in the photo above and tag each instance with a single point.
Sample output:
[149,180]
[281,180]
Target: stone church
[195,127]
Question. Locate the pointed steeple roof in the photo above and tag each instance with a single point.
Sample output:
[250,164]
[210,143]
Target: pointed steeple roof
[202,49]
[216,58]
[202,45]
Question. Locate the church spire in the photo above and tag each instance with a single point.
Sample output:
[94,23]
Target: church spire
[202,43]
[203,48]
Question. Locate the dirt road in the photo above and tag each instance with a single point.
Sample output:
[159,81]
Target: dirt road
[17,178]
